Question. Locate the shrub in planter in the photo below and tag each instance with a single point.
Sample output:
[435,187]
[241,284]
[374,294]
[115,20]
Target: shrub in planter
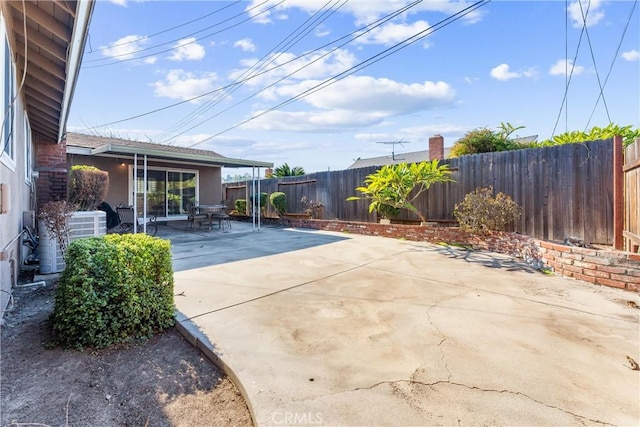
[262,201]
[114,289]
[387,211]
[241,206]
[278,200]
[481,213]
[88,186]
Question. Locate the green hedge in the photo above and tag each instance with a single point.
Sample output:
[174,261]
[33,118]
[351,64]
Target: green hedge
[114,289]
[241,206]
[278,200]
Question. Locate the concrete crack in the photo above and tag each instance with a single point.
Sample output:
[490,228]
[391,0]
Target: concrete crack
[488,390]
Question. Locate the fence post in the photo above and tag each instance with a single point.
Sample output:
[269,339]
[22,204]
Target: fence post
[618,194]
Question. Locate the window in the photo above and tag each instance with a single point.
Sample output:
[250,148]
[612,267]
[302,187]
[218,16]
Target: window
[8,110]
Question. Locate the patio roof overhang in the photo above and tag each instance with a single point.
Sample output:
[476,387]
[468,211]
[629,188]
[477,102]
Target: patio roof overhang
[116,150]
[51,51]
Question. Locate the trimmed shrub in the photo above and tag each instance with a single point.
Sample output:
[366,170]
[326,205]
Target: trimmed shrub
[88,186]
[387,211]
[114,289]
[482,213]
[241,206]
[278,200]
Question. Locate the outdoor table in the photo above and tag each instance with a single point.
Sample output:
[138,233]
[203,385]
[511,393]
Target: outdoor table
[213,213]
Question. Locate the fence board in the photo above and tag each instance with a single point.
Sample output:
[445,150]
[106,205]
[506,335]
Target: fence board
[631,170]
[563,191]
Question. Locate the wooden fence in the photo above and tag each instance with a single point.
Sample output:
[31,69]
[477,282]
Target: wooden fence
[631,171]
[563,191]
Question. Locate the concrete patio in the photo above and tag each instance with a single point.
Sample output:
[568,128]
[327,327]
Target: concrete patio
[321,328]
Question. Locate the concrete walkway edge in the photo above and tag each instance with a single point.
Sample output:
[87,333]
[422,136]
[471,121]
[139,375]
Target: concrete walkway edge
[199,340]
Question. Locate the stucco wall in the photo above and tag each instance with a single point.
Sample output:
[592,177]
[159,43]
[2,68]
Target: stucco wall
[13,175]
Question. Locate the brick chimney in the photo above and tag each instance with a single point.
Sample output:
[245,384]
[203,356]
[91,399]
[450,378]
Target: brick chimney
[436,147]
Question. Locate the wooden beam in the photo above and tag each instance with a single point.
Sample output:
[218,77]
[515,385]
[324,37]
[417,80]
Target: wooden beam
[43,100]
[43,62]
[36,38]
[618,194]
[41,75]
[43,125]
[44,19]
[43,90]
[64,5]
[42,108]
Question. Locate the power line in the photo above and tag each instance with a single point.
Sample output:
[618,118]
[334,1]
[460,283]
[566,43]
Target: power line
[573,66]
[164,31]
[372,60]
[593,59]
[359,34]
[613,60]
[363,29]
[188,35]
[286,43]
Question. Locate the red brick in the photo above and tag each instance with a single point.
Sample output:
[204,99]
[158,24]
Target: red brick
[588,265]
[609,282]
[635,257]
[546,245]
[555,265]
[633,287]
[596,273]
[562,248]
[584,251]
[577,257]
[573,268]
[626,278]
[582,277]
[609,269]
[598,260]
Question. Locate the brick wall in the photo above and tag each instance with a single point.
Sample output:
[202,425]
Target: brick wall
[602,267]
[51,164]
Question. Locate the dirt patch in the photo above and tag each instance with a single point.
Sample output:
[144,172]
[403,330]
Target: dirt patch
[164,381]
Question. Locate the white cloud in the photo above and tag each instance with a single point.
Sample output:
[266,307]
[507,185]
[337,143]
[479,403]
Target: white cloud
[503,73]
[150,60]
[180,84]
[563,66]
[632,55]
[119,2]
[590,8]
[315,67]
[246,45]
[354,102]
[125,47]
[363,11]
[321,31]
[187,49]
[392,33]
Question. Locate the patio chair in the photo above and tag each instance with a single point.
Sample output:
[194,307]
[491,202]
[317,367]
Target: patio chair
[127,217]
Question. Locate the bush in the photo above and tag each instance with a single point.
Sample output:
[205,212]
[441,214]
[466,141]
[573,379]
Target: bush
[114,289]
[481,213]
[88,186]
[482,141]
[278,200]
[241,206]
[387,211]
[55,217]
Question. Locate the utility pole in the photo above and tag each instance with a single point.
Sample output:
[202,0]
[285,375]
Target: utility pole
[393,146]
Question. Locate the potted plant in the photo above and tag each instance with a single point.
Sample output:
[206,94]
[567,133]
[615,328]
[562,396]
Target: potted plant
[311,208]
[387,213]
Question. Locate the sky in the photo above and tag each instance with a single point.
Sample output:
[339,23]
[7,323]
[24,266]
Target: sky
[320,83]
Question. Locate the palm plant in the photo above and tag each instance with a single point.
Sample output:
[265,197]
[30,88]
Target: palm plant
[286,170]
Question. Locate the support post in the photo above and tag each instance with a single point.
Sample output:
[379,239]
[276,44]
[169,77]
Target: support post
[618,194]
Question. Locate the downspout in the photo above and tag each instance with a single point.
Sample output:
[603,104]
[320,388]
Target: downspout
[144,203]
[259,199]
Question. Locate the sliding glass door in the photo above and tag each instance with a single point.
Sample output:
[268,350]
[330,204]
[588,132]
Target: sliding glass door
[169,192]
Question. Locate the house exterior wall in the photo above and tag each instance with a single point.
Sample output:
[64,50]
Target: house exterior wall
[51,164]
[16,181]
[210,178]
